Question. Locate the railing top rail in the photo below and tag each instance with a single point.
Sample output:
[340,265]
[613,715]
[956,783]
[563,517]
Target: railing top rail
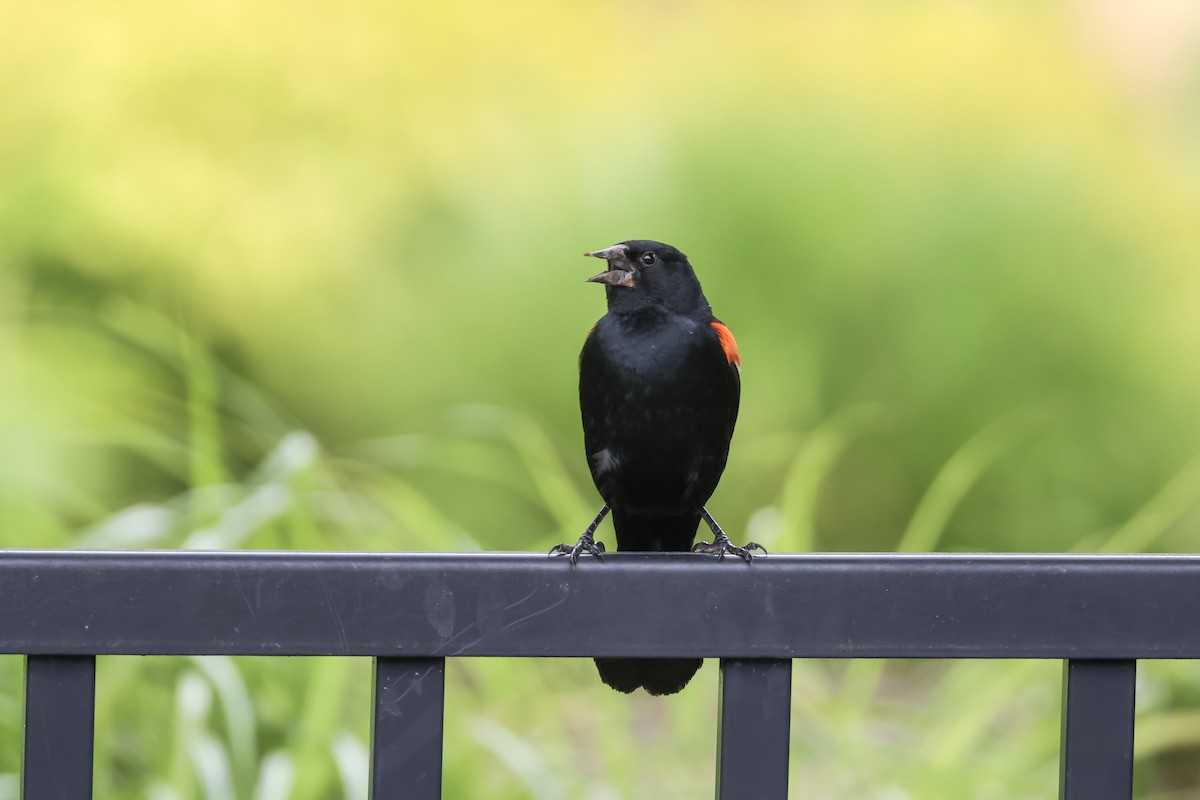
[520,604]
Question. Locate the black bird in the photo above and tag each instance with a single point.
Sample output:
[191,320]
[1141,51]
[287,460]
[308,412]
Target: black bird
[659,383]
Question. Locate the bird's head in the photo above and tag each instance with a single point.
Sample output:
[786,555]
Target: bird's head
[643,273]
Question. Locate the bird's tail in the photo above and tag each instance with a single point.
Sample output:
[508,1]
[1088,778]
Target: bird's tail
[655,675]
[636,533]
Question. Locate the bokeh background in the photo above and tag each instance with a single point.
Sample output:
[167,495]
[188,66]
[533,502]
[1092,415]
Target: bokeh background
[307,275]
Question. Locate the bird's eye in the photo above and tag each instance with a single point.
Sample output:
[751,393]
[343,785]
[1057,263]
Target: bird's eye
[648,259]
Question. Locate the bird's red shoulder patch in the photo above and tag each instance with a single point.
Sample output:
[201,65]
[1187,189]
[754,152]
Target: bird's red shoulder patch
[728,343]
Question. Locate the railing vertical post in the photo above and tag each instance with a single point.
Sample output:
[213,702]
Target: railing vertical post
[1096,759]
[406,728]
[755,728]
[60,707]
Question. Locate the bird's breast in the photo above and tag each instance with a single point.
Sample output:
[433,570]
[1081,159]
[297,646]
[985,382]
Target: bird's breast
[651,354]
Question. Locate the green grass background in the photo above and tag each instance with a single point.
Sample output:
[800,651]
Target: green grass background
[306,276]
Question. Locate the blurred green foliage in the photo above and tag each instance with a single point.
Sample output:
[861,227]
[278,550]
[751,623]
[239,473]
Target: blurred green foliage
[306,276]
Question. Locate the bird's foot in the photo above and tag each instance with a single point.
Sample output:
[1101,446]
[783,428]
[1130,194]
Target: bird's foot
[586,544]
[721,546]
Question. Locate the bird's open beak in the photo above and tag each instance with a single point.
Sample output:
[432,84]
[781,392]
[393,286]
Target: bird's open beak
[620,272]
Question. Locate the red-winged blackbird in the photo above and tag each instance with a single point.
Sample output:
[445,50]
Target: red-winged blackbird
[659,382]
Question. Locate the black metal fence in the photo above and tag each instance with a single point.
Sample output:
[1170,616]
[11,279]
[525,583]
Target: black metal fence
[411,611]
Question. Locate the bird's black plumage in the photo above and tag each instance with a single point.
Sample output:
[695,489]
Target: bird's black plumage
[659,386]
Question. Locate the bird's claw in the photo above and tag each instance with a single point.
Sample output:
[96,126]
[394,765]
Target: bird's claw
[721,546]
[586,544]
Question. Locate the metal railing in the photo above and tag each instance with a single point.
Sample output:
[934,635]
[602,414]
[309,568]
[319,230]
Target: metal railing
[411,611]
